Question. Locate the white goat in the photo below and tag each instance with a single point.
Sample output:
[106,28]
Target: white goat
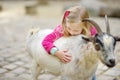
[84,61]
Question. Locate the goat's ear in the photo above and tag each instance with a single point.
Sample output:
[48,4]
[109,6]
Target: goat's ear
[117,38]
[90,39]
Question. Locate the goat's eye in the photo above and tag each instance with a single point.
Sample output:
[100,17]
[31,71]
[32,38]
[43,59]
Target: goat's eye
[97,47]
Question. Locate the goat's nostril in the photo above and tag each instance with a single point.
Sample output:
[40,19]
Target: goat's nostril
[112,61]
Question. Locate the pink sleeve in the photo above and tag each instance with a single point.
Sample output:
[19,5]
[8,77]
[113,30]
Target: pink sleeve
[93,31]
[50,38]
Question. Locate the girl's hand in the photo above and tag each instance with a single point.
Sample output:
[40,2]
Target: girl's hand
[63,56]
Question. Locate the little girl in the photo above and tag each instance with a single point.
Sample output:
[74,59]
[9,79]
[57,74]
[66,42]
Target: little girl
[72,25]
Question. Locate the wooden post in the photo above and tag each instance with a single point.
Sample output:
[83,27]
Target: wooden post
[1,8]
[31,9]
[42,2]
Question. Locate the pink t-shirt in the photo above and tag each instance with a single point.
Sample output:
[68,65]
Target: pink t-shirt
[56,34]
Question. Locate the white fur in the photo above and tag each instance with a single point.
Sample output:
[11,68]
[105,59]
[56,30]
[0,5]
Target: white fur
[84,60]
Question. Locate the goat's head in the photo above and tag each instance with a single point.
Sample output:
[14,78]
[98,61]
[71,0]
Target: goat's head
[104,43]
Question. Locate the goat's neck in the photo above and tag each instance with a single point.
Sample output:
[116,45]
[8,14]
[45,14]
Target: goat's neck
[86,57]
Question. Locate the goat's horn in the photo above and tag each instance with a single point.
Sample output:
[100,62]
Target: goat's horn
[107,25]
[95,25]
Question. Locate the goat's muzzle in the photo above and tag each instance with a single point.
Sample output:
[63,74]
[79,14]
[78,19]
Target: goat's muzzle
[111,63]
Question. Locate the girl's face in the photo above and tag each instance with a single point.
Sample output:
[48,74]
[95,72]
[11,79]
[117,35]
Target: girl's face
[75,28]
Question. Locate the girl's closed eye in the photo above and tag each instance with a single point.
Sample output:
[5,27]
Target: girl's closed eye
[75,30]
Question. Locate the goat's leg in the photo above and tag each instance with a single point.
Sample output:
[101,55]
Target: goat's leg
[35,68]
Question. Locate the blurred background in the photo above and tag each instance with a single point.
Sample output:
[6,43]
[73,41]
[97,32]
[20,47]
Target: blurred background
[18,16]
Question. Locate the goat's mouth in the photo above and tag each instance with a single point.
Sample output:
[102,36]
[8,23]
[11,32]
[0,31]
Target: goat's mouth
[110,65]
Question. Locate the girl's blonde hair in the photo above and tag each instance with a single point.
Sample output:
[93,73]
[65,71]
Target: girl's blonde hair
[75,14]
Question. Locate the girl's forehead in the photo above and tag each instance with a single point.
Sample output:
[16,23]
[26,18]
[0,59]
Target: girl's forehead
[74,24]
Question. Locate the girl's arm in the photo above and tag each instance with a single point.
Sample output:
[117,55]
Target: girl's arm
[50,38]
[93,31]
